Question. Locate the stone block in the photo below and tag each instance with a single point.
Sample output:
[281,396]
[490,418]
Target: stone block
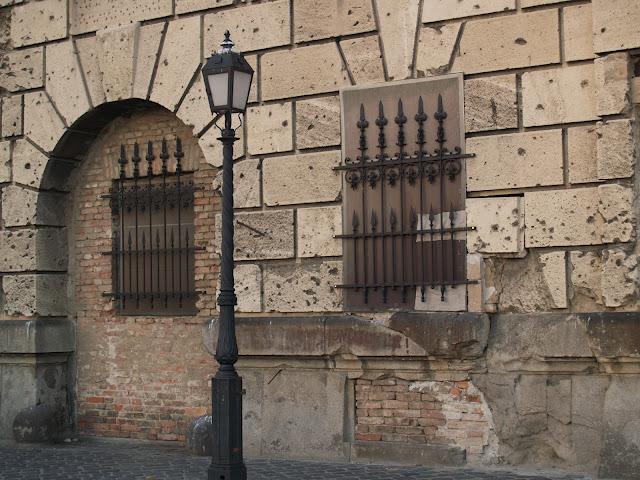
[29,164]
[509,42]
[262,235]
[581,152]
[435,49]
[318,122]
[270,128]
[116,51]
[439,10]
[212,147]
[613,83]
[306,287]
[306,178]
[338,17]
[246,183]
[455,300]
[186,6]
[64,81]
[535,3]
[42,124]
[248,286]
[559,398]
[578,28]
[490,103]
[253,27]
[616,25]
[516,160]
[253,91]
[364,59]
[35,295]
[318,69]
[559,95]
[615,148]
[22,69]
[398,24]
[499,224]
[92,15]
[586,275]
[531,394]
[12,116]
[554,271]
[620,277]
[87,49]
[149,37]
[194,109]
[22,207]
[178,62]
[30,250]
[5,162]
[38,22]
[615,205]
[316,229]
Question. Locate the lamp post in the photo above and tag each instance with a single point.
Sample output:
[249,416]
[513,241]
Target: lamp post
[227,77]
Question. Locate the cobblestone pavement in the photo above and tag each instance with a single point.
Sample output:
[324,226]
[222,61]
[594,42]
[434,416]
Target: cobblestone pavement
[93,458]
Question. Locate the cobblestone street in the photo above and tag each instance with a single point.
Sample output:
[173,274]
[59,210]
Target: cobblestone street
[93,458]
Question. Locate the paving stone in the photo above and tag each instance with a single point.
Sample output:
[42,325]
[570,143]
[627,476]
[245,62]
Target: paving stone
[87,49]
[92,15]
[38,22]
[186,6]
[116,51]
[12,116]
[490,103]
[435,49]
[316,228]
[615,148]
[339,17]
[616,25]
[41,122]
[149,37]
[398,24]
[22,69]
[364,59]
[613,83]
[5,162]
[270,128]
[28,163]
[447,9]
[499,225]
[581,152]
[318,122]
[578,32]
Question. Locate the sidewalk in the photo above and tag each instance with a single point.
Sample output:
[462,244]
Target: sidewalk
[97,458]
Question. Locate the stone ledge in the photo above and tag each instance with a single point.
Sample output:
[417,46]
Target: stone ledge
[37,336]
[407,454]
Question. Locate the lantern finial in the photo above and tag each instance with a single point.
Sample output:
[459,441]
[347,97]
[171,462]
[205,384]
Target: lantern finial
[227,44]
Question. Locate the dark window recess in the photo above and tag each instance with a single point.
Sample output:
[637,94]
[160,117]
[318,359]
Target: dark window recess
[404,224]
[153,242]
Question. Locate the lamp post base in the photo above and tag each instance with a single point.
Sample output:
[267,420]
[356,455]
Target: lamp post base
[227,472]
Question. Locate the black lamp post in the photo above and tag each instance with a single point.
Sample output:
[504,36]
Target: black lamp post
[227,77]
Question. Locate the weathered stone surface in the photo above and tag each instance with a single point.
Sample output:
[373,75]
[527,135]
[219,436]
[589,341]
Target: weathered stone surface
[254,26]
[615,205]
[318,122]
[23,207]
[30,295]
[438,10]
[28,164]
[262,235]
[620,277]
[318,69]
[586,275]
[178,62]
[364,59]
[560,95]
[41,122]
[12,116]
[509,42]
[253,91]
[615,149]
[212,147]
[531,394]
[455,300]
[338,18]
[534,3]
[116,51]
[490,103]
[616,25]
[186,6]
[37,22]
[248,286]
[22,69]
[306,178]
[64,81]
[499,224]
[149,37]
[554,271]
[398,24]
[581,152]
[270,128]
[91,15]
[39,423]
[29,250]
[435,49]
[87,49]
[613,83]
[306,287]
[316,230]
[578,28]
[246,183]
[515,160]
[5,162]
[194,109]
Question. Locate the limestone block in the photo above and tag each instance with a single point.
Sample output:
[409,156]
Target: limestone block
[212,148]
[438,10]
[12,116]
[578,28]
[535,3]
[615,205]
[149,37]
[531,394]
[515,160]
[554,271]
[178,62]
[246,183]
[499,225]
[364,59]
[24,207]
[87,49]
[581,152]
[22,69]
[41,122]
[269,128]
[613,83]
[37,22]
[262,235]
[64,81]
[509,42]
[559,398]
[253,91]
[252,27]
[490,103]
[29,164]
[559,95]
[616,25]
[31,295]
[318,69]
[586,274]
[116,51]
[398,24]
[455,300]
[316,229]
[305,287]
[306,178]
[186,6]
[248,286]
[30,250]
[92,15]
[620,277]
[435,49]
[475,301]
[337,18]
[5,162]
[615,149]
[318,122]
[194,109]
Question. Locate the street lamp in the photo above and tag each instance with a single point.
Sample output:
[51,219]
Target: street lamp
[227,78]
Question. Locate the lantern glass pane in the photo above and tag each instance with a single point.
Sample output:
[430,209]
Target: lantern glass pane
[219,84]
[241,87]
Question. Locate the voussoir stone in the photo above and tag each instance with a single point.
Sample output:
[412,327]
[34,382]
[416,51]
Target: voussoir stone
[194,109]
[339,17]
[42,124]
[613,83]
[364,59]
[615,149]
[578,32]
[616,25]
[37,22]
[12,116]
[24,207]
[499,225]
[87,49]
[92,15]
[270,128]
[246,183]
[116,51]
[581,152]
[490,103]
[29,164]
[447,9]
[212,147]
[31,250]
[435,49]
[398,23]
[317,227]
[318,122]
[186,6]
[22,69]
[30,295]
[149,38]
[5,162]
